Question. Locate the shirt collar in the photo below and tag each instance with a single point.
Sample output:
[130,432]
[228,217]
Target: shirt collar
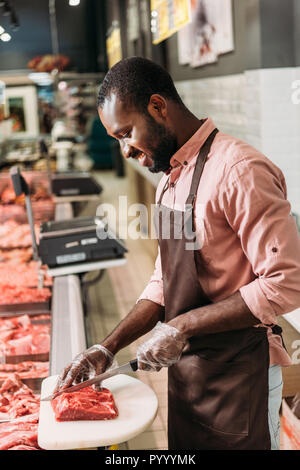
[186,153]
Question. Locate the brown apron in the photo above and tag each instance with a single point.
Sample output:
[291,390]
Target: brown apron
[218,390]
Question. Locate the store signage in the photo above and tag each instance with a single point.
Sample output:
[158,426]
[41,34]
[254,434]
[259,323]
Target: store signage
[113,45]
[168,17]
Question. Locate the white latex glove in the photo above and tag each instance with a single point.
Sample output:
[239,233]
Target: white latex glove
[93,361]
[162,349]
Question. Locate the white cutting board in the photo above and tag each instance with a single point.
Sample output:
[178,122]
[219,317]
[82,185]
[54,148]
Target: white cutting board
[137,406]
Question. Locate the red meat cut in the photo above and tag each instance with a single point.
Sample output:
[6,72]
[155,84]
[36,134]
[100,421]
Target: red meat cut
[25,370]
[86,404]
[15,434]
[21,295]
[22,447]
[18,337]
[23,274]
[16,399]
[20,432]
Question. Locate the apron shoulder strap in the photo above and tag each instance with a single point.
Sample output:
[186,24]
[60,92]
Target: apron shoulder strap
[163,191]
[203,152]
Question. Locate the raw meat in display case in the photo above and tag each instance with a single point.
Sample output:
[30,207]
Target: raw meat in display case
[23,275]
[22,432]
[16,255]
[14,235]
[25,370]
[23,295]
[32,339]
[16,399]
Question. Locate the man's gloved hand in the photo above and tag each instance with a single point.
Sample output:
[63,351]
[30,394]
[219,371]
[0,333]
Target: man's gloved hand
[91,362]
[162,349]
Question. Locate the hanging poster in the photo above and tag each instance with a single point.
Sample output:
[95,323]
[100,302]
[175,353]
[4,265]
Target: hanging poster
[209,34]
[168,17]
[113,46]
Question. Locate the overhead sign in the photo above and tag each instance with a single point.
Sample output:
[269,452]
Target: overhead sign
[168,17]
[113,46]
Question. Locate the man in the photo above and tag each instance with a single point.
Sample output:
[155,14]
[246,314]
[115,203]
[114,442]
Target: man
[212,307]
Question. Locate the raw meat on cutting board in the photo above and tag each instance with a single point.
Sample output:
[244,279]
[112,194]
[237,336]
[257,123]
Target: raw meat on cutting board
[86,404]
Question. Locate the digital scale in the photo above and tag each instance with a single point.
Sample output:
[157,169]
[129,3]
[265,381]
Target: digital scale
[74,184]
[69,183]
[84,239]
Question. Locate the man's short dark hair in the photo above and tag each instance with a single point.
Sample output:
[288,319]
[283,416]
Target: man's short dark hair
[134,80]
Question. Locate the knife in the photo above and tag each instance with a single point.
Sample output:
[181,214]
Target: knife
[125,368]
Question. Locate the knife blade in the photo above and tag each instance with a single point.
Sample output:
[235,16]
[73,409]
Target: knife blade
[125,368]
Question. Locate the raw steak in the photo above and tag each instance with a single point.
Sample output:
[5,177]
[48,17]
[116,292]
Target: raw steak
[22,447]
[86,404]
[19,336]
[18,403]
[13,212]
[23,274]
[22,295]
[12,323]
[14,235]
[16,399]
[16,255]
[25,370]
[13,435]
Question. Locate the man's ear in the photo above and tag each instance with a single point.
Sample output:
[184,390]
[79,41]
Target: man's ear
[157,107]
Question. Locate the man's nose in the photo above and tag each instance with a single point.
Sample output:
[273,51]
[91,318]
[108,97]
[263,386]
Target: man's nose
[126,150]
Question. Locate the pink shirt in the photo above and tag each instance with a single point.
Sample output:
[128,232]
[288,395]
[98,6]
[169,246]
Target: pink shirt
[243,222]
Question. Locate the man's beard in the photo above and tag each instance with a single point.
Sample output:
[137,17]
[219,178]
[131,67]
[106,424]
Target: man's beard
[164,148]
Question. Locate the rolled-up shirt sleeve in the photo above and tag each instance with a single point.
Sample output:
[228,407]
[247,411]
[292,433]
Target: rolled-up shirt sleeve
[154,289]
[255,204]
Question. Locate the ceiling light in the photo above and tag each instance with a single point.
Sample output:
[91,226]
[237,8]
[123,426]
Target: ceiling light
[1,30]
[5,37]
[74,3]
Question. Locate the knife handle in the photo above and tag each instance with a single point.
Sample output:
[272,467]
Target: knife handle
[134,365]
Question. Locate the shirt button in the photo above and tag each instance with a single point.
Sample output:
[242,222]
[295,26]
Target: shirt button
[172,185]
[274,249]
[185,162]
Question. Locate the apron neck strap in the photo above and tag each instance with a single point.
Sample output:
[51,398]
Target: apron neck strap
[203,152]
[163,191]
[202,155]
